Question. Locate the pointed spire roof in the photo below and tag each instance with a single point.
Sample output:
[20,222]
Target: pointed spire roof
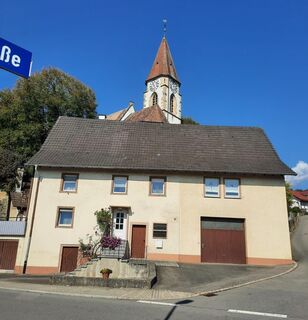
[163,64]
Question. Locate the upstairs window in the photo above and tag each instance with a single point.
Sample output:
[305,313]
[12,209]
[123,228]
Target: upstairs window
[211,187]
[154,99]
[158,186]
[69,182]
[232,188]
[65,217]
[119,184]
[159,230]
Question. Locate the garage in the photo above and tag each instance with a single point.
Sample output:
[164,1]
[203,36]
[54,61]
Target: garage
[223,240]
[8,253]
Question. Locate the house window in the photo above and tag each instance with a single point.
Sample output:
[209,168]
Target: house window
[211,187]
[232,188]
[119,184]
[69,182]
[157,187]
[160,230]
[65,217]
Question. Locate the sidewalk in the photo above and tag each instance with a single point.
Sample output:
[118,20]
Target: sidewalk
[226,277]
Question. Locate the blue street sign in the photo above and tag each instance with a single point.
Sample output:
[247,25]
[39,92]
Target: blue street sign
[15,59]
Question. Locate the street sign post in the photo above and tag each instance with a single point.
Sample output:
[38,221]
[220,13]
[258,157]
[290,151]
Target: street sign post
[15,59]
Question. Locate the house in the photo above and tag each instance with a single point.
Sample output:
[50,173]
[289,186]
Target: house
[13,223]
[177,192]
[300,199]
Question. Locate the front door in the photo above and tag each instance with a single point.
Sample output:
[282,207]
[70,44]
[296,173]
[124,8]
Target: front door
[120,224]
[69,259]
[138,241]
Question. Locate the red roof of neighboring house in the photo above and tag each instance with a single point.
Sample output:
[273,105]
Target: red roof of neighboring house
[116,115]
[300,195]
[163,64]
[150,114]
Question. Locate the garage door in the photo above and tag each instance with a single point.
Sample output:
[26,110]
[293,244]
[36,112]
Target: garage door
[8,253]
[223,240]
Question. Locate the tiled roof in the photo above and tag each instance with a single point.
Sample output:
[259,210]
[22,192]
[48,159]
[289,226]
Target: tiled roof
[163,63]
[94,143]
[150,114]
[116,115]
[300,195]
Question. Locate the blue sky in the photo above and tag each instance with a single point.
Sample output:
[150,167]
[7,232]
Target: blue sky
[241,62]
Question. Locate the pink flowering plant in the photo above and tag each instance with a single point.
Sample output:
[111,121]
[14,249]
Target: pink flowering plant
[110,242]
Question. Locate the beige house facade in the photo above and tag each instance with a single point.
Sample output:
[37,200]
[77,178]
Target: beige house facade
[181,209]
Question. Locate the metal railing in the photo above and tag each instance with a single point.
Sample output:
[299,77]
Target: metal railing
[120,252]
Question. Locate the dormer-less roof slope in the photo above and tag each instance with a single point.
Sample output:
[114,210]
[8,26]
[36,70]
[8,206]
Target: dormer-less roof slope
[163,64]
[103,144]
[149,114]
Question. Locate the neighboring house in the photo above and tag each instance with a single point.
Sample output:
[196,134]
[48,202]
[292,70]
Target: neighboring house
[186,193]
[300,199]
[12,227]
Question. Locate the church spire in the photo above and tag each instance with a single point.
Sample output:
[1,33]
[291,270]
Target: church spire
[163,64]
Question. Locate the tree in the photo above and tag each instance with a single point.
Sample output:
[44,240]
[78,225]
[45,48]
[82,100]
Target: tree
[29,111]
[9,163]
[188,120]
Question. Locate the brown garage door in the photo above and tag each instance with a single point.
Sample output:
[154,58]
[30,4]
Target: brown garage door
[8,252]
[138,241]
[69,259]
[223,240]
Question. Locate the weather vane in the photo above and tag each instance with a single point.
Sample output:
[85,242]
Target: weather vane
[165,26]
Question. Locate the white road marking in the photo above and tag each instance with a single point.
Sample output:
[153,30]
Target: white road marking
[159,303]
[275,315]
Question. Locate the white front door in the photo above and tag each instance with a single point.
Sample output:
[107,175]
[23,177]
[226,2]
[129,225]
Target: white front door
[120,224]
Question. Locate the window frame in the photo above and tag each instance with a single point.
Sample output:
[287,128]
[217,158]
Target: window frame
[239,189]
[153,229]
[165,186]
[113,184]
[219,188]
[62,182]
[57,225]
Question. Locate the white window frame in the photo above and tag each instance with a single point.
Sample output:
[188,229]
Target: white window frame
[64,225]
[238,195]
[64,181]
[152,179]
[205,188]
[114,178]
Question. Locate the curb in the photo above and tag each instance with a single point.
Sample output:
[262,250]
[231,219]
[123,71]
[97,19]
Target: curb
[204,293]
[63,293]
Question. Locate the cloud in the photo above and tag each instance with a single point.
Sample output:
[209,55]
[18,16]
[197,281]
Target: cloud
[301,169]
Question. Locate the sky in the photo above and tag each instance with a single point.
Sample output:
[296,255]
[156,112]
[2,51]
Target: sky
[240,62]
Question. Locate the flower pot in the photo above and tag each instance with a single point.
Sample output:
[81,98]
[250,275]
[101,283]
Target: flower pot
[105,275]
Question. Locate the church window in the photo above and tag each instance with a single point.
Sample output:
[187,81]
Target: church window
[154,99]
[172,103]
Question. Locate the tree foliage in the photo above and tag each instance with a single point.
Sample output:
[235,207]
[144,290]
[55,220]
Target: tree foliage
[188,120]
[28,112]
[30,109]
[9,163]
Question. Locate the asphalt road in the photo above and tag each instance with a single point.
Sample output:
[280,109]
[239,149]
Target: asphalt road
[286,296]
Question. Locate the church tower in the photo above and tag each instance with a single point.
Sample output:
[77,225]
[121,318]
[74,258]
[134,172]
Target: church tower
[163,85]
